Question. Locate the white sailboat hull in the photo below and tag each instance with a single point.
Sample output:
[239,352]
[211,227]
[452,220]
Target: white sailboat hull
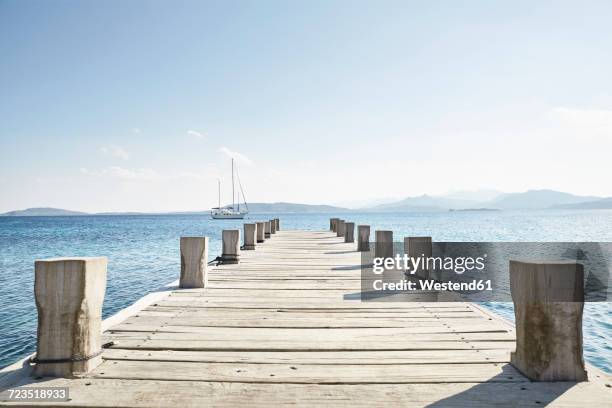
[228,215]
[232,216]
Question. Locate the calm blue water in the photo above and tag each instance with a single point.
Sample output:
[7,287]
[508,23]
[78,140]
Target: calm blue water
[143,255]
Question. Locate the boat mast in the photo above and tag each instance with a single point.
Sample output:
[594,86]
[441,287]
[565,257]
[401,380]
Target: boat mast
[219,185]
[233,202]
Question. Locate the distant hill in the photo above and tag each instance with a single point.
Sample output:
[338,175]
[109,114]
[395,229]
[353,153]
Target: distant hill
[253,207]
[282,207]
[601,204]
[423,203]
[474,195]
[536,199]
[528,200]
[41,212]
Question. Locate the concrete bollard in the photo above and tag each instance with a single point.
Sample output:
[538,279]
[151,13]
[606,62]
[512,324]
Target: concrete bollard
[416,247]
[261,228]
[194,262]
[272,226]
[277,221]
[349,232]
[334,226]
[250,236]
[363,238]
[231,247]
[340,228]
[69,295]
[384,244]
[267,229]
[332,221]
[548,302]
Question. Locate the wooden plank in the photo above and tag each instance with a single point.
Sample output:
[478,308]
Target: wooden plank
[135,340]
[183,325]
[230,312]
[315,335]
[303,304]
[315,357]
[308,373]
[293,321]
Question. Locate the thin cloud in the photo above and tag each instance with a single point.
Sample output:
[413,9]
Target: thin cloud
[147,174]
[115,151]
[121,173]
[136,130]
[195,134]
[239,157]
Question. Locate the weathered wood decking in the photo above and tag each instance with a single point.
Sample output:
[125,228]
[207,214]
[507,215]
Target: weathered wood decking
[286,326]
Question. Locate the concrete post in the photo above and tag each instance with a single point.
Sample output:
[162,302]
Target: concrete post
[268,229]
[250,236]
[261,228]
[69,294]
[363,238]
[384,244]
[548,302]
[272,226]
[349,232]
[416,247]
[231,247]
[340,228]
[194,262]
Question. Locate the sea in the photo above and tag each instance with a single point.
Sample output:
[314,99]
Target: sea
[143,255]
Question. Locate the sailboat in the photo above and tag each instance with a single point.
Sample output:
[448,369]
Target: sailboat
[235,212]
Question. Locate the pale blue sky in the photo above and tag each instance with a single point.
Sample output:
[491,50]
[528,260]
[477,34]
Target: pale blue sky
[134,105]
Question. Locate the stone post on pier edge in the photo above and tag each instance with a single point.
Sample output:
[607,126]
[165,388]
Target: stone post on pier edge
[332,221]
[261,228]
[363,238]
[231,247]
[340,228]
[384,244]
[267,229]
[277,224]
[548,303]
[272,226]
[416,247]
[250,236]
[69,294]
[194,262]
[349,232]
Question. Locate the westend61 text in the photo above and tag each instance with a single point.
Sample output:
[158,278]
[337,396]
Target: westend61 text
[475,285]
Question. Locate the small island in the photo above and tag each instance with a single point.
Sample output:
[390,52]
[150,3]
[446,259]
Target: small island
[474,209]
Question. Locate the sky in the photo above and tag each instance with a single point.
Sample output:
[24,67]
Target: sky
[139,105]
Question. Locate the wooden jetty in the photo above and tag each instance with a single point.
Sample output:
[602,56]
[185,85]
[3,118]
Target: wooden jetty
[285,326]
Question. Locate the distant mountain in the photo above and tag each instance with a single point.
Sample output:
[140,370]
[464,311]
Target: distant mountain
[536,199]
[532,199]
[41,212]
[365,202]
[474,195]
[601,204]
[253,207]
[293,208]
[528,200]
[424,203]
